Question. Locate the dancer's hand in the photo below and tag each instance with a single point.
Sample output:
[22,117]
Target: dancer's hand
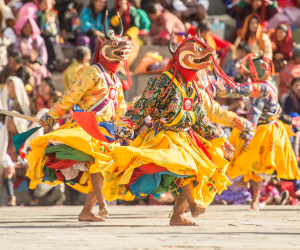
[43,124]
[228,149]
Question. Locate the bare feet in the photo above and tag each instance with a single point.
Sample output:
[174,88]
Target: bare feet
[181,221]
[103,209]
[196,210]
[12,201]
[254,206]
[88,216]
[171,214]
[103,213]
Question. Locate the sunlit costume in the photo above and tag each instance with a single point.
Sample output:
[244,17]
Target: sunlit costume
[72,154]
[166,157]
[270,152]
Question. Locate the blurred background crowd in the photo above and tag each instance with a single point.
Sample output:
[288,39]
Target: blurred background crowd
[44,42]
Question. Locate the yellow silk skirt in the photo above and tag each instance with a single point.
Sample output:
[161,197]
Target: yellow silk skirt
[74,136]
[269,151]
[175,151]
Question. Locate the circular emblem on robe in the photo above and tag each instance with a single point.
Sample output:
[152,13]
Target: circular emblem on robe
[187,104]
[112,94]
[256,165]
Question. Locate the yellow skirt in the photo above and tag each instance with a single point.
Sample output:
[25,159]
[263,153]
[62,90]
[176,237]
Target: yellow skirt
[269,151]
[74,136]
[176,152]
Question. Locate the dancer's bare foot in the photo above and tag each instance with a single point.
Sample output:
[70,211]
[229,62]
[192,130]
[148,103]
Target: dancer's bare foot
[196,210]
[187,209]
[103,210]
[181,221]
[103,213]
[88,216]
[254,206]
[171,214]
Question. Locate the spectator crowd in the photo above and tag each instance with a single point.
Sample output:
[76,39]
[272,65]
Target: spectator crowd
[35,34]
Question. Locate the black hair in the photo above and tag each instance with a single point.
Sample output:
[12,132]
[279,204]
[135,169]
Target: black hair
[296,52]
[245,46]
[285,118]
[296,79]
[151,8]
[81,52]
[17,56]
[204,25]
[103,12]
[49,81]
[136,3]
[283,27]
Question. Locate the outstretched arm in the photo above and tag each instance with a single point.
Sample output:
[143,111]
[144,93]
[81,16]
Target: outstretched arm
[80,85]
[145,105]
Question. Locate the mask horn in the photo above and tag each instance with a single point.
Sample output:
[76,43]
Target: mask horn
[199,36]
[104,25]
[170,44]
[120,25]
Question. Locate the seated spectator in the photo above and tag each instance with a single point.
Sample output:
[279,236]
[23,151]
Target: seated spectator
[14,96]
[131,17]
[236,194]
[282,45]
[82,57]
[15,67]
[204,26]
[290,71]
[28,9]
[252,34]
[11,164]
[288,12]
[49,26]
[292,101]
[4,43]
[44,97]
[91,21]
[6,14]
[162,25]
[191,10]
[243,49]
[264,9]
[66,14]
[32,46]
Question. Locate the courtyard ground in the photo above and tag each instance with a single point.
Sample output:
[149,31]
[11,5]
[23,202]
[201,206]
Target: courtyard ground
[146,227]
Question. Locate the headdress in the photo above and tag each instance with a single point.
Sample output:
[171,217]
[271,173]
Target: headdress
[110,41]
[192,55]
[258,66]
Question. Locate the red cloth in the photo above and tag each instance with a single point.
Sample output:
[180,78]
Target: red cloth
[187,74]
[99,58]
[54,163]
[59,175]
[145,169]
[286,46]
[196,139]
[289,186]
[88,122]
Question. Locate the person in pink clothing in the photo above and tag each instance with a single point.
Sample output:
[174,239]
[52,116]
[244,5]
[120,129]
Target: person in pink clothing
[162,25]
[32,46]
[28,9]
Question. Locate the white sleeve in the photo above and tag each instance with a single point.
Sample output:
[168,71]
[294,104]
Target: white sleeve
[7,161]
[9,33]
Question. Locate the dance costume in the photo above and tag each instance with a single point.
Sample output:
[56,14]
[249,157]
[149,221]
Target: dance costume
[270,151]
[71,154]
[167,156]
